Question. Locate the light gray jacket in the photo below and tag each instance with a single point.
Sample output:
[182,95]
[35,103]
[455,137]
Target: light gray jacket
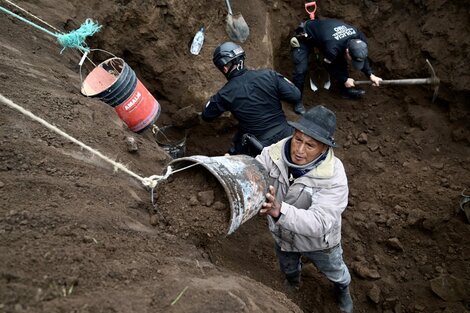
[311,206]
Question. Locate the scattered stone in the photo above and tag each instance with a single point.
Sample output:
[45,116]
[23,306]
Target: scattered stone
[445,183]
[206,197]
[2,184]
[154,220]
[364,272]
[374,294]
[395,244]
[449,288]
[131,144]
[373,147]
[430,223]
[219,206]
[193,200]
[347,144]
[392,304]
[134,273]
[437,166]
[415,217]
[87,239]
[362,138]
[19,307]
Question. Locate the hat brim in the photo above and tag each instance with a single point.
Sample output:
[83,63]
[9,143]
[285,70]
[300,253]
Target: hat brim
[358,65]
[313,134]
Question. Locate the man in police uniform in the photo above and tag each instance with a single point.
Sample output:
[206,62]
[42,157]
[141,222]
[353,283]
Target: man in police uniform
[339,44]
[254,98]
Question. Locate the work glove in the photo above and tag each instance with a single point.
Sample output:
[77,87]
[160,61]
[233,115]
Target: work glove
[294,42]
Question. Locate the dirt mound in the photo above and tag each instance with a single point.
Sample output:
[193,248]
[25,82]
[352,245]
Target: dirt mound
[76,235]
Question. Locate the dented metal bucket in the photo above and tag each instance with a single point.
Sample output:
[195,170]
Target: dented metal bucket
[244,180]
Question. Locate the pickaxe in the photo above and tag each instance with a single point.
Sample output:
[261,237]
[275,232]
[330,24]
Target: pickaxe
[433,80]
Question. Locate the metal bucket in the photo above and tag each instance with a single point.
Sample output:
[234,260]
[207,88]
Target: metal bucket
[173,140]
[244,180]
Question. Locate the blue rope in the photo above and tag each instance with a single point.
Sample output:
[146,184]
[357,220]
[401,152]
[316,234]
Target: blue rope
[74,39]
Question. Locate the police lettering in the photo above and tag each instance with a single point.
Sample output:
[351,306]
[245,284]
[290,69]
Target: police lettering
[342,32]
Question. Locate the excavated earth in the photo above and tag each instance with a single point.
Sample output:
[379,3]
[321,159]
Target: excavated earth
[79,235]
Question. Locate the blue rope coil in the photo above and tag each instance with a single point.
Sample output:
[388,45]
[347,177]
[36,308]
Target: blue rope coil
[74,39]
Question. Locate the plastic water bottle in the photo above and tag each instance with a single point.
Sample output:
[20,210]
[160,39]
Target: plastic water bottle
[198,40]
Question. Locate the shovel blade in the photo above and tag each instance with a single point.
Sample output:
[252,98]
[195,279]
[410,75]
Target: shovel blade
[313,86]
[236,27]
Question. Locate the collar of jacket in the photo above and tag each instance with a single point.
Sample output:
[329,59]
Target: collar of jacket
[236,73]
[324,170]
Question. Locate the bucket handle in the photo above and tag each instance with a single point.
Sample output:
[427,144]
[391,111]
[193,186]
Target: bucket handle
[85,56]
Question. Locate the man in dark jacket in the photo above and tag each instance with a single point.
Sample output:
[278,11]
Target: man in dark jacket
[254,98]
[338,43]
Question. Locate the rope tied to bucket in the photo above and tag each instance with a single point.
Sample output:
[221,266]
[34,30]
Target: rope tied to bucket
[74,39]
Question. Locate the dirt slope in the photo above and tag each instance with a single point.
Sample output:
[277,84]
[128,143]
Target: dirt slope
[77,236]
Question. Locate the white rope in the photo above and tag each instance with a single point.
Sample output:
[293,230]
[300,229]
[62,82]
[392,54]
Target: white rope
[85,55]
[146,181]
[30,14]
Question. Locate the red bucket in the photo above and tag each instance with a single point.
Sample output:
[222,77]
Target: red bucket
[115,83]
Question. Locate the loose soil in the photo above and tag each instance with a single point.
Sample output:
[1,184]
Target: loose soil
[76,235]
[192,204]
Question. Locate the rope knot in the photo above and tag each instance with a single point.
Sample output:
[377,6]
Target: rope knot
[76,38]
[153,180]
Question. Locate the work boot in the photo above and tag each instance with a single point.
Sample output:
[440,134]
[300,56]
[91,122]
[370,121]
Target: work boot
[299,108]
[352,93]
[343,298]
[292,281]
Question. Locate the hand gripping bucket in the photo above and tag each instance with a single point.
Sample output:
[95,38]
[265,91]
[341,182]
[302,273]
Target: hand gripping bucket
[244,180]
[115,83]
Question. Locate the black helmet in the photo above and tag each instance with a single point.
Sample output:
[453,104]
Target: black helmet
[226,53]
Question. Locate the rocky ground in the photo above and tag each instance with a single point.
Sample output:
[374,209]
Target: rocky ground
[76,235]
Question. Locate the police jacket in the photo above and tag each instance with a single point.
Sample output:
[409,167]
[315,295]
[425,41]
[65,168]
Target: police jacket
[254,98]
[311,206]
[331,37]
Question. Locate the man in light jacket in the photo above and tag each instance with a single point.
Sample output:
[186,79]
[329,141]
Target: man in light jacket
[308,192]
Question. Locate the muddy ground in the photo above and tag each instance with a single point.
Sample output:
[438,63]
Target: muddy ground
[78,236]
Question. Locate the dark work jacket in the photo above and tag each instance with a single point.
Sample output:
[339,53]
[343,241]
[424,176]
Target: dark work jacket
[331,37]
[254,98]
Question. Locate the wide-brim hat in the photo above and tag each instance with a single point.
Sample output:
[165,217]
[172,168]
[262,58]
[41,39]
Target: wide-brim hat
[318,123]
[358,52]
